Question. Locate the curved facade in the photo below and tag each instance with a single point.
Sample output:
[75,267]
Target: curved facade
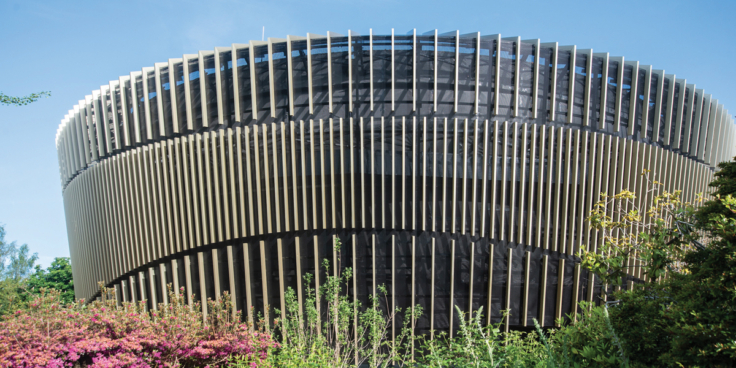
[455,169]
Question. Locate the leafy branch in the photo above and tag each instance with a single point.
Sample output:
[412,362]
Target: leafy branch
[22,101]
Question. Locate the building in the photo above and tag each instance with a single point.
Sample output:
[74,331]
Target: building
[455,169]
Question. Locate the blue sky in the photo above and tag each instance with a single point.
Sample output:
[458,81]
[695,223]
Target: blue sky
[73,47]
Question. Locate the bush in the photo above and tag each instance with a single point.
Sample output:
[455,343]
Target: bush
[641,324]
[591,341]
[321,332]
[325,337]
[484,346]
[102,334]
[687,317]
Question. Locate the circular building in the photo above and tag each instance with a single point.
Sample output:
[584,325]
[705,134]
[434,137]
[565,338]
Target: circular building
[456,170]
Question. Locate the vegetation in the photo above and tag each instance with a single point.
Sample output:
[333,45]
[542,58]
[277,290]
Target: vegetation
[16,265]
[21,279]
[314,339]
[57,276]
[692,314]
[50,333]
[685,315]
[311,338]
[22,101]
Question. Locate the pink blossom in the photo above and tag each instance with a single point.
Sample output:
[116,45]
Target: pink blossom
[50,334]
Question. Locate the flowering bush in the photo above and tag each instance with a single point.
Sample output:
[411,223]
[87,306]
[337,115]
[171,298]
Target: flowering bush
[103,334]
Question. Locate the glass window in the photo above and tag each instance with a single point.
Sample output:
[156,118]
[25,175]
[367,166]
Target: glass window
[626,97]
[651,102]
[403,81]
[210,75]
[242,62]
[673,122]
[320,80]
[194,87]
[486,76]
[544,87]
[281,80]
[109,124]
[697,112]
[300,78]
[166,100]
[685,112]
[181,97]
[361,76]
[563,85]
[508,71]
[382,74]
[466,76]
[141,108]
[526,79]
[226,87]
[611,90]
[138,85]
[425,74]
[129,110]
[595,92]
[581,73]
[119,110]
[662,119]
[640,102]
[153,103]
[340,75]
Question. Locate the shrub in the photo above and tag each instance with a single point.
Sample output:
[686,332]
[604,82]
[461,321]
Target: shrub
[641,324]
[477,345]
[103,334]
[688,316]
[326,337]
[589,341]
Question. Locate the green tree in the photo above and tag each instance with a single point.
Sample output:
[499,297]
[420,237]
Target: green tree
[704,312]
[688,316]
[57,276]
[653,230]
[16,264]
[724,184]
[22,101]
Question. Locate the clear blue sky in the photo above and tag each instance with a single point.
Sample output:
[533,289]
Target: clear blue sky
[73,47]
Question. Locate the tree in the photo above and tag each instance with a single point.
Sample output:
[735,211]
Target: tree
[687,317]
[16,265]
[704,308]
[724,184]
[57,276]
[22,101]
[632,235]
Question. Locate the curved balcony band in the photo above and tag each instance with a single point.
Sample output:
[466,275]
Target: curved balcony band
[456,170]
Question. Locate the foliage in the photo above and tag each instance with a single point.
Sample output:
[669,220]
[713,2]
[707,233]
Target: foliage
[103,334]
[15,261]
[316,337]
[687,317]
[22,101]
[656,240]
[724,184]
[319,332]
[477,345]
[641,321]
[590,341]
[703,314]
[15,265]
[57,276]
